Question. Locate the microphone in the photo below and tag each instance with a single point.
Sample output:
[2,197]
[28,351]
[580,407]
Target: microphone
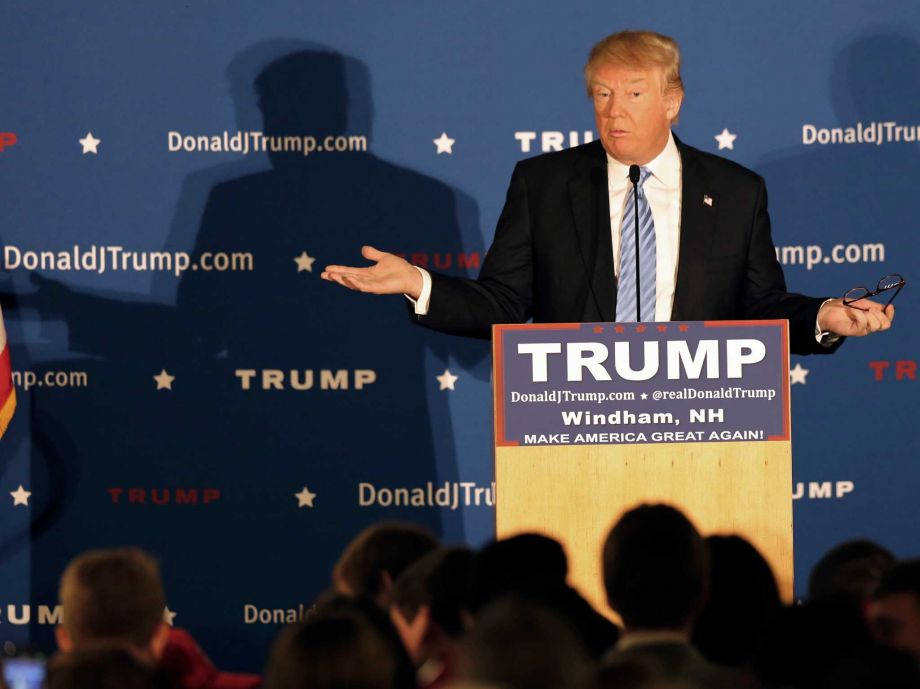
[634,176]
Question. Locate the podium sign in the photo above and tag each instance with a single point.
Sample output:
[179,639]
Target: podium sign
[590,383]
[592,419]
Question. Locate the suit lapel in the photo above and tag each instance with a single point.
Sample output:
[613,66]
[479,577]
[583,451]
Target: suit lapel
[697,227]
[590,200]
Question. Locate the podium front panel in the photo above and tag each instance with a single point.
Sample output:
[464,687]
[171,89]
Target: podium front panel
[594,419]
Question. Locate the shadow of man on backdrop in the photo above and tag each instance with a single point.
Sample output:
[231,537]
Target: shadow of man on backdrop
[875,78]
[859,194]
[281,380]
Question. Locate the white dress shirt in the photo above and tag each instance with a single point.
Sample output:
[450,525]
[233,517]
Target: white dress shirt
[662,189]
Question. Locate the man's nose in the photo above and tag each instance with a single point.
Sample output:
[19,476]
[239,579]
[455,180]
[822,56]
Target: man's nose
[614,106]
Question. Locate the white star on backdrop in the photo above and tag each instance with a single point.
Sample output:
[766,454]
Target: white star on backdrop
[726,140]
[445,144]
[20,496]
[164,380]
[797,375]
[90,143]
[169,616]
[447,380]
[305,498]
[304,262]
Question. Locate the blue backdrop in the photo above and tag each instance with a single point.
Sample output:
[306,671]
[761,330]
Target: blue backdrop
[209,398]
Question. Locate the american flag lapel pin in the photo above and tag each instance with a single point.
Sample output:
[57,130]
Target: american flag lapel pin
[707,199]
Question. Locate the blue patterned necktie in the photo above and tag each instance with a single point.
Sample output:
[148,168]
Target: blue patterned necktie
[626,286]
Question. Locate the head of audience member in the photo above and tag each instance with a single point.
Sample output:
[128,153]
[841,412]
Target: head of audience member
[522,564]
[370,611]
[633,78]
[871,667]
[535,567]
[821,645]
[429,608]
[656,567]
[743,602]
[377,556]
[113,598]
[848,574]
[345,643]
[893,612]
[517,644]
[806,642]
[102,668]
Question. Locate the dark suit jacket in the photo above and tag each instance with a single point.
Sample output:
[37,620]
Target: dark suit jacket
[552,257]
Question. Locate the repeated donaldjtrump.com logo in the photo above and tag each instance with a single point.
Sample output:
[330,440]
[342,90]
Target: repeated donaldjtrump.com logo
[602,383]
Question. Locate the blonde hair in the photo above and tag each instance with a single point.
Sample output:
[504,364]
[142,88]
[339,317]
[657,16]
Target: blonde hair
[641,49]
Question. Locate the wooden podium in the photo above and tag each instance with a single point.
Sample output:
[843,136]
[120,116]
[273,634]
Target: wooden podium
[722,392]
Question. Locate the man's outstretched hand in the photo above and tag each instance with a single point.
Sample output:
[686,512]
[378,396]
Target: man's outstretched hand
[390,274]
[848,321]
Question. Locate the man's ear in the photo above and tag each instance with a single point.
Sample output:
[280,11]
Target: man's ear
[62,636]
[673,99]
[158,641]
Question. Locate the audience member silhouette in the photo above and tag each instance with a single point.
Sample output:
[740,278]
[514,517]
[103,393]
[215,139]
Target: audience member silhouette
[656,568]
[634,673]
[377,556]
[811,643]
[344,644]
[518,644]
[430,612]
[103,668]
[821,645]
[534,567]
[872,667]
[743,603]
[894,609]
[114,599]
[370,611]
[848,573]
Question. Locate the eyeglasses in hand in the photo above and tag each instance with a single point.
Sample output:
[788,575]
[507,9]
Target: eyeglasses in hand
[886,284]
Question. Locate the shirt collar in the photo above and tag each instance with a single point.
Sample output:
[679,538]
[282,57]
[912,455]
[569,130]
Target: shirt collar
[665,167]
[651,638]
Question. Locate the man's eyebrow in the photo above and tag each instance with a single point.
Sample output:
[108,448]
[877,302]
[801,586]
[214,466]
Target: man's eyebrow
[631,82]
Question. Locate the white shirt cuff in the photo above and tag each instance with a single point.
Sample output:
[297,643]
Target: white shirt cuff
[824,338]
[421,304]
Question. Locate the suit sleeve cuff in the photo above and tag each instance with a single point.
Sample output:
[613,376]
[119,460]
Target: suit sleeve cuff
[421,304]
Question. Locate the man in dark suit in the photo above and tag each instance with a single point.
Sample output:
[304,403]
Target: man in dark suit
[706,247]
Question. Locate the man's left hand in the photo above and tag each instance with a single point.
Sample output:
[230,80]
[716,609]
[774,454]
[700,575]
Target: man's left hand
[849,321]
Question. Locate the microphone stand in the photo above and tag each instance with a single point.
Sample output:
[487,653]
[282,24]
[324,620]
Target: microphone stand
[634,176]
